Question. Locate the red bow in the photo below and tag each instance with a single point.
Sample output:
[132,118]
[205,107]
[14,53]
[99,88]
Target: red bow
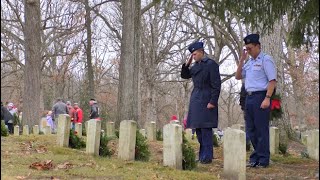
[275,104]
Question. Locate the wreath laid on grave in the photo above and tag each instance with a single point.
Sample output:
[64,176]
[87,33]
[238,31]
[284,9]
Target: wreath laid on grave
[276,109]
[75,141]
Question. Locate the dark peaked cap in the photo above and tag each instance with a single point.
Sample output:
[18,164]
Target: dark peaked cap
[195,46]
[251,38]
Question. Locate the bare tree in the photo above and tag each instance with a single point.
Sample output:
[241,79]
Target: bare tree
[32,71]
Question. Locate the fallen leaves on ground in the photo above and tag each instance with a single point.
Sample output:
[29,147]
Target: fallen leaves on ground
[46,165]
[65,165]
[41,149]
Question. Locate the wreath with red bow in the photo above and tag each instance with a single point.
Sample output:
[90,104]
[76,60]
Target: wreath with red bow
[276,109]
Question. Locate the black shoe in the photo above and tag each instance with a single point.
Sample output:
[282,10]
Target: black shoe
[252,164]
[261,165]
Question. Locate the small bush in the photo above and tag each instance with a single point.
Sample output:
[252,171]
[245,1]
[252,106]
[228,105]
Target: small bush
[142,152]
[283,148]
[75,141]
[41,132]
[84,130]
[116,132]
[16,120]
[159,135]
[215,140]
[305,154]
[188,155]
[4,130]
[104,149]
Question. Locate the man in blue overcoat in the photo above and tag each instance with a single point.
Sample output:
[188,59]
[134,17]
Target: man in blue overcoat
[203,108]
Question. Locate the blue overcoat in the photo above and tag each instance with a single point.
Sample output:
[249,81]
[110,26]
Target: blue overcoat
[207,85]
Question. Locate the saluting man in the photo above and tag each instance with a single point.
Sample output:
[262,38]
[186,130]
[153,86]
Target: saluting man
[203,107]
[260,81]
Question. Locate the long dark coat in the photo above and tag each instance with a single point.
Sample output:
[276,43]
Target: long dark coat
[207,85]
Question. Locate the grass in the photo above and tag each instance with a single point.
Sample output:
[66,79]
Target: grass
[18,153]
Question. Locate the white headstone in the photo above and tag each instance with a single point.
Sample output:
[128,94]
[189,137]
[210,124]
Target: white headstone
[172,146]
[151,131]
[143,132]
[63,131]
[35,130]
[93,137]
[25,130]
[110,129]
[16,131]
[127,140]
[47,130]
[78,129]
[274,140]
[234,154]
[313,144]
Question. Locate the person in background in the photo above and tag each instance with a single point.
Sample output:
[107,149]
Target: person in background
[7,117]
[94,109]
[50,121]
[71,113]
[58,108]
[12,110]
[77,114]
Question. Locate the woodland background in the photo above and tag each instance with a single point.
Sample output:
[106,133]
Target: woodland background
[128,55]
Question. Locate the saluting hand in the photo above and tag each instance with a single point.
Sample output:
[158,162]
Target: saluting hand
[189,60]
[244,55]
[210,106]
[265,103]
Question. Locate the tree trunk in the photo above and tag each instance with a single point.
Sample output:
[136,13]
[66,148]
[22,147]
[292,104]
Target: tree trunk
[88,50]
[129,76]
[32,71]
[272,45]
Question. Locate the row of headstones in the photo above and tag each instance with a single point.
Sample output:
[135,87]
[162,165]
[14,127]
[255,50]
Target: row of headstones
[309,138]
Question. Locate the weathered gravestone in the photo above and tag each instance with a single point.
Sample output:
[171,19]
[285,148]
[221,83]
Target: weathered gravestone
[78,129]
[35,130]
[151,131]
[16,130]
[313,144]
[143,132]
[93,137]
[188,134]
[234,154]
[63,132]
[43,123]
[274,140]
[127,140]
[172,146]
[47,130]
[25,130]
[110,129]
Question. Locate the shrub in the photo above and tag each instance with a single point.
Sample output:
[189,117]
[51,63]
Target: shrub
[283,148]
[215,140]
[188,155]
[142,152]
[4,130]
[104,149]
[116,132]
[75,141]
[159,135]
[16,120]
[84,130]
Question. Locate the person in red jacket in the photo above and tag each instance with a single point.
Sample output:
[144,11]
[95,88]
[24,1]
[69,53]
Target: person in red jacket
[77,114]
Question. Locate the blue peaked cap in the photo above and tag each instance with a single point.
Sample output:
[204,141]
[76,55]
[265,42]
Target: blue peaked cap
[195,46]
[251,38]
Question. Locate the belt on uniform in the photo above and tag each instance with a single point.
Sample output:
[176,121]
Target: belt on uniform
[250,93]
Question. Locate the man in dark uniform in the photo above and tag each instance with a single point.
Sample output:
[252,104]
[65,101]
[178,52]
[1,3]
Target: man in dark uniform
[260,80]
[203,107]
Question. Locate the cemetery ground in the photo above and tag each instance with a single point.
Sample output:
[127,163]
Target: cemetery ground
[18,153]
